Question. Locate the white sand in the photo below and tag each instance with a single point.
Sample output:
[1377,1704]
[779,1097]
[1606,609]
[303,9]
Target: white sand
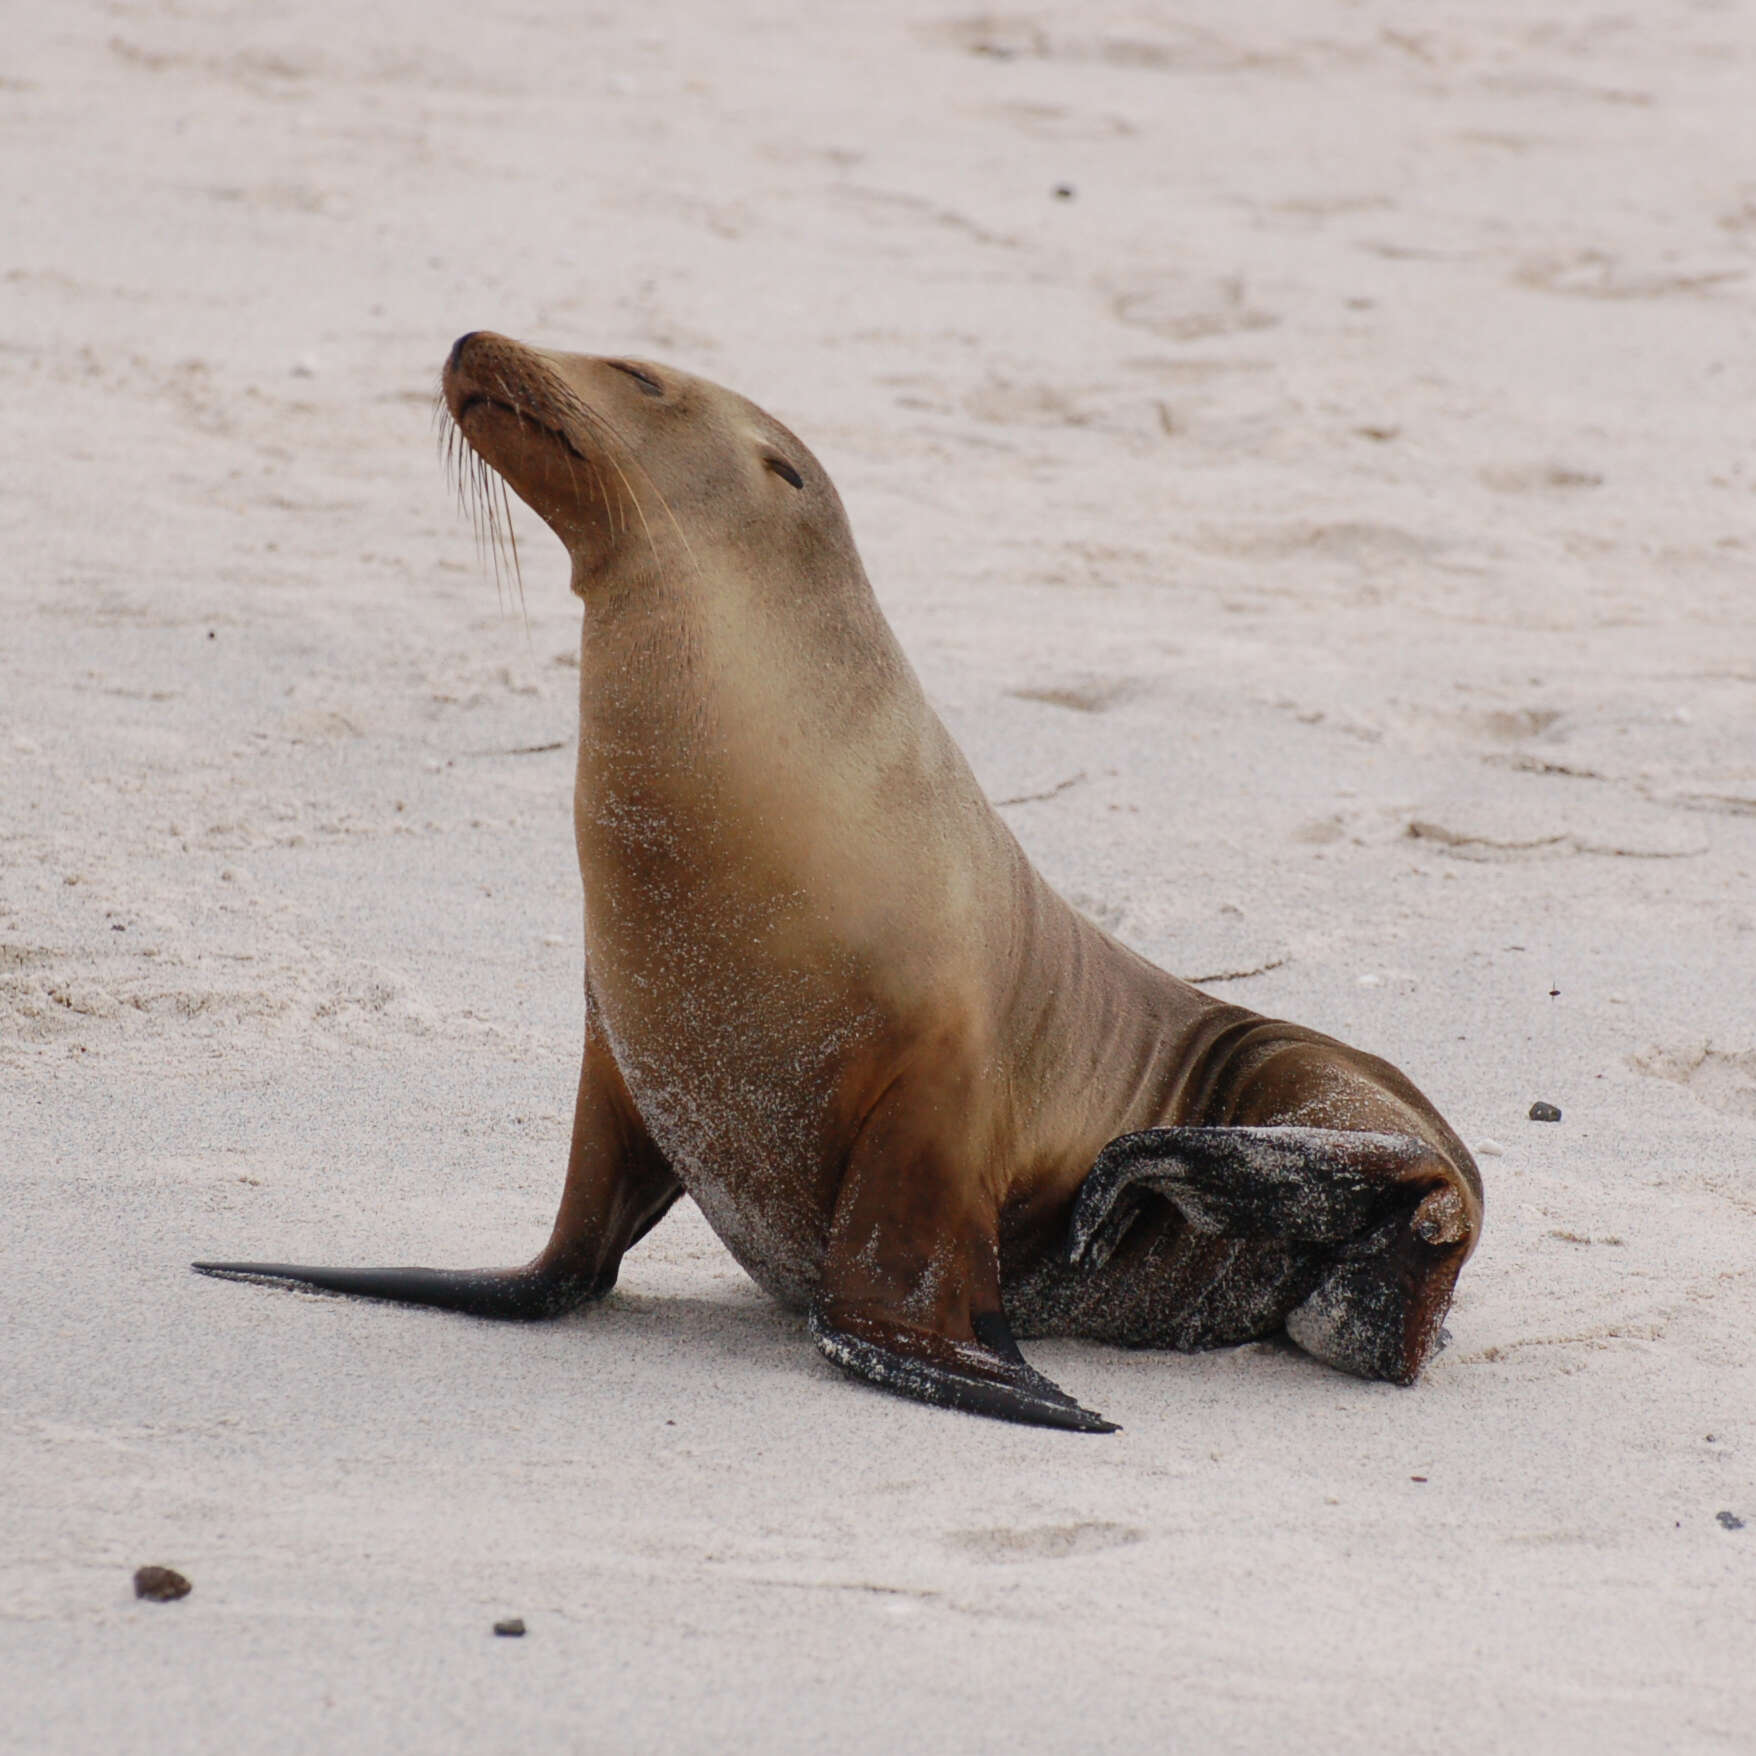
[1341,508]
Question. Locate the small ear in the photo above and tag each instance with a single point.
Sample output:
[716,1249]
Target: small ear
[784,470]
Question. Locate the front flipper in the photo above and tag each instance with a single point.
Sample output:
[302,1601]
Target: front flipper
[618,1188]
[986,1375]
[909,1297]
[1398,1216]
[527,1293]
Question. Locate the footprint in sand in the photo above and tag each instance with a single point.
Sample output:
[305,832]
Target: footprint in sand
[1723,1079]
[1082,694]
[1045,1542]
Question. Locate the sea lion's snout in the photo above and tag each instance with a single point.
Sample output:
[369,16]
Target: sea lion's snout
[535,421]
[483,366]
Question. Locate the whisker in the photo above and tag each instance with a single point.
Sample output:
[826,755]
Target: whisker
[606,425]
[517,568]
[482,495]
[491,533]
[484,492]
[475,507]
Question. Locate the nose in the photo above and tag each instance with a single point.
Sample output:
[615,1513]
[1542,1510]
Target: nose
[457,348]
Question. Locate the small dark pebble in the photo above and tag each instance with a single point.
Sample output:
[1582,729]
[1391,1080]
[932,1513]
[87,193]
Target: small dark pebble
[1063,191]
[210,634]
[512,1628]
[163,1585]
[1730,1520]
[1541,1112]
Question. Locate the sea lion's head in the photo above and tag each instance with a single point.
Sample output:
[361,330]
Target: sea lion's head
[637,466]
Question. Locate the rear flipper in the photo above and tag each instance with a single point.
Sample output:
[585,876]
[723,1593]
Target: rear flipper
[1400,1216]
[534,1292]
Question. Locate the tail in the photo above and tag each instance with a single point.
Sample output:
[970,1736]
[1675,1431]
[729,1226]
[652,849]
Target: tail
[517,1293]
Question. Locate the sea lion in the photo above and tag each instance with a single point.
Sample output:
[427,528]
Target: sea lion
[827,995]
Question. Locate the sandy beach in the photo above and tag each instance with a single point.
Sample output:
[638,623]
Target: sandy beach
[1306,451]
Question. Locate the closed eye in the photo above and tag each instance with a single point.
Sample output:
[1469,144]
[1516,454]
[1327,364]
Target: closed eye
[784,470]
[645,380]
